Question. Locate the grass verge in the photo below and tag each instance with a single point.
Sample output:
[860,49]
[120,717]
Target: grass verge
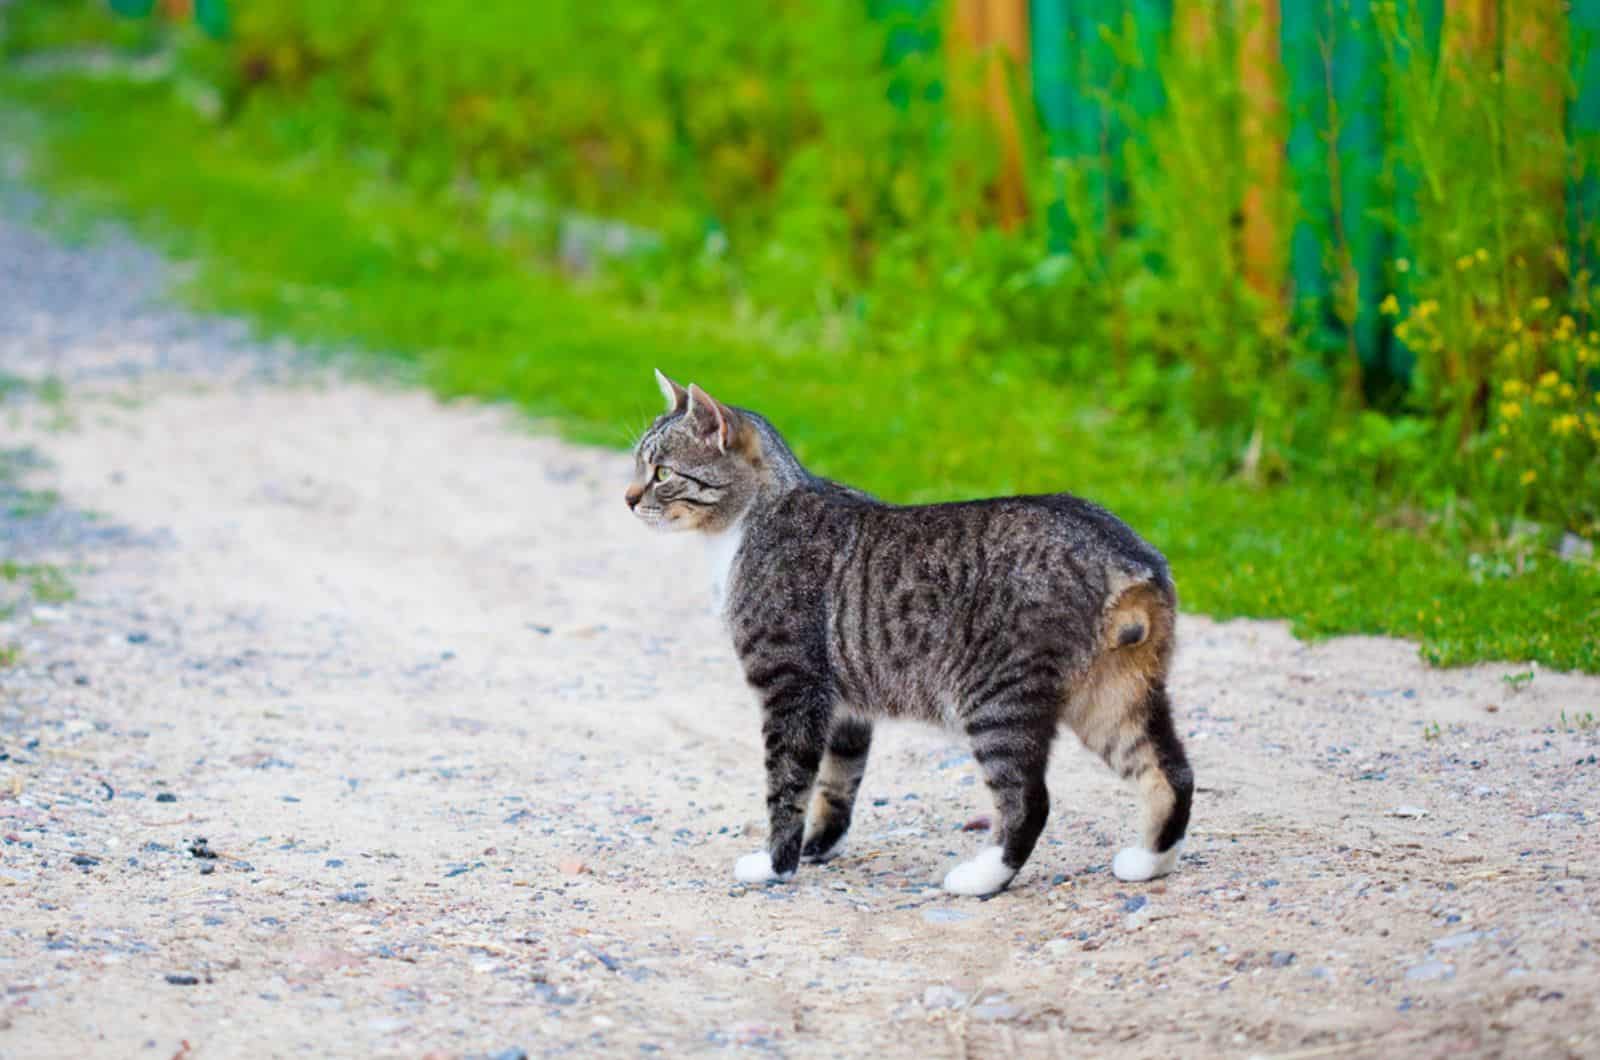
[321,250]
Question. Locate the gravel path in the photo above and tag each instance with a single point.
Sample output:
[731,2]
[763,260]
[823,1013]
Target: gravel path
[377,727]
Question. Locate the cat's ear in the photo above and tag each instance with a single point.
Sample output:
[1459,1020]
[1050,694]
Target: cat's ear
[677,397]
[711,420]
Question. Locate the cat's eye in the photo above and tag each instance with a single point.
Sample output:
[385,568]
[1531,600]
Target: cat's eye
[663,473]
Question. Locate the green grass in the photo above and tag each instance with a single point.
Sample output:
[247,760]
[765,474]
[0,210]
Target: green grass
[44,583]
[319,249]
[23,585]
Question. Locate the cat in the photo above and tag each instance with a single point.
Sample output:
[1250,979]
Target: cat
[1001,619]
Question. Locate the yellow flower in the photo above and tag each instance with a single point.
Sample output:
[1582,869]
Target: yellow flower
[1512,387]
[1516,324]
[1499,453]
[1541,303]
[1427,309]
[1402,265]
[1389,306]
[1562,426]
[1464,262]
[1483,255]
[1529,477]
[1549,379]
[1510,410]
[1566,392]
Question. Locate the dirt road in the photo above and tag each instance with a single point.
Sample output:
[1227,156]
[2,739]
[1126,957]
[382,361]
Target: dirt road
[377,727]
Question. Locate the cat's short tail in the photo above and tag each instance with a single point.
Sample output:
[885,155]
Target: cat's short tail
[1120,710]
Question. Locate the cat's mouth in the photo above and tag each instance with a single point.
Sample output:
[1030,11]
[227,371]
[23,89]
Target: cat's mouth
[657,518]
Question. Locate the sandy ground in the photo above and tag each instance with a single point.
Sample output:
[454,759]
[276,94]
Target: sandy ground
[474,762]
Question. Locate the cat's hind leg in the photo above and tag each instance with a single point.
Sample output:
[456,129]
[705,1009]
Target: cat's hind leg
[1011,741]
[1141,744]
[1153,758]
[833,799]
[1120,710]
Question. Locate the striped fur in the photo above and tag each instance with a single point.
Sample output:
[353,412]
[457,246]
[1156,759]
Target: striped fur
[1003,619]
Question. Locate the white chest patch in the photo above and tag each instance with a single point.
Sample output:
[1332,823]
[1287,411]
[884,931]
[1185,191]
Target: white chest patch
[721,550]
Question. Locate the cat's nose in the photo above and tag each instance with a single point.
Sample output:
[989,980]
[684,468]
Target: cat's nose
[632,496]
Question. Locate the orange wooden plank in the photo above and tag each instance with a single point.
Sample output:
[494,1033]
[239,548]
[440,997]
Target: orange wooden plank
[1262,133]
[1197,22]
[1470,26]
[1535,64]
[1006,82]
[963,39]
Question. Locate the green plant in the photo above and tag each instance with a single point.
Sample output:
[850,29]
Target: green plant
[1518,681]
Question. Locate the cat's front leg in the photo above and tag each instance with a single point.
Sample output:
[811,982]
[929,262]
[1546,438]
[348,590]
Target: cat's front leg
[794,725]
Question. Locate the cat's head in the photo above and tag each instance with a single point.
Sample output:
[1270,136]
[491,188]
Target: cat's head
[699,465]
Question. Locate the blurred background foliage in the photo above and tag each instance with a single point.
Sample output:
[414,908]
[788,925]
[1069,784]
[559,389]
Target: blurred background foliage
[835,169]
[1346,244]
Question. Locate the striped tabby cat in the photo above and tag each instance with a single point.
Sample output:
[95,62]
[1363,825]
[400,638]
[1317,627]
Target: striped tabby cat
[998,618]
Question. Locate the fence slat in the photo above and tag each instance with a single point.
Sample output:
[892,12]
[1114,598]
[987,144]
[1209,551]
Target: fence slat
[1305,37]
[1007,67]
[1358,90]
[1583,131]
[1418,26]
[1054,98]
[1261,121]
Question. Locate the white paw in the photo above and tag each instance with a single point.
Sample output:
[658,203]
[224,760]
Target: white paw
[984,874]
[757,868]
[1135,864]
[829,854]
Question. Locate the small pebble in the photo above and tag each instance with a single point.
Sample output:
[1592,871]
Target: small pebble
[942,997]
[166,796]
[1429,970]
[943,916]
[996,1010]
[183,980]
